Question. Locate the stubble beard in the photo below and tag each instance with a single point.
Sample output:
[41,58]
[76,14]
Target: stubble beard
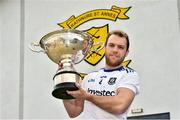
[114,64]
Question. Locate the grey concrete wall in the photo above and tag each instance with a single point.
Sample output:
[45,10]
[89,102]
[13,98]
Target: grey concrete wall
[178,5]
[10,58]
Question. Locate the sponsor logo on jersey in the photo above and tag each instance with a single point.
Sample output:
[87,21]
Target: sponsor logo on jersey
[91,80]
[104,76]
[112,81]
[102,92]
[100,82]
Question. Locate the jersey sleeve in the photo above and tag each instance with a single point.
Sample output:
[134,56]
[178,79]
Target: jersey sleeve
[131,81]
[85,80]
[90,76]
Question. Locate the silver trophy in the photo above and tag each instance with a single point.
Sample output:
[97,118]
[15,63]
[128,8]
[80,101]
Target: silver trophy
[66,48]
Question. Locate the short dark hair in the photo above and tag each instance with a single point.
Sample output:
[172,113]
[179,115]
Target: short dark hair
[120,34]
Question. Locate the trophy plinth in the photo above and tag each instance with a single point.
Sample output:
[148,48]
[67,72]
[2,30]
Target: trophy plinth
[66,48]
[60,89]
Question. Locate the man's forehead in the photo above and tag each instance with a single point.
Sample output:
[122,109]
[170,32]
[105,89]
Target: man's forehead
[117,39]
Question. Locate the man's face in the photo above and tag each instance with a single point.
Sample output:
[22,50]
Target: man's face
[115,50]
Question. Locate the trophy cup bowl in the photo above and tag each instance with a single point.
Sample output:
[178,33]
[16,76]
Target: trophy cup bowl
[66,48]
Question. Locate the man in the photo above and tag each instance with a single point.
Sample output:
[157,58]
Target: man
[107,93]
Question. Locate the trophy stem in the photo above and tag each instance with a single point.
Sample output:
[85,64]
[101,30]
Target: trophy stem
[65,79]
[66,64]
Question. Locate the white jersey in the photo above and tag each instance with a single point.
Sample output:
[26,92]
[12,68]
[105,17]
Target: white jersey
[105,83]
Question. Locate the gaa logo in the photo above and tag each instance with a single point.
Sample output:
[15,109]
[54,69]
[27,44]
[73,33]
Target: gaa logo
[112,81]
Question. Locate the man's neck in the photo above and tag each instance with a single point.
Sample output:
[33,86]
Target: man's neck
[107,67]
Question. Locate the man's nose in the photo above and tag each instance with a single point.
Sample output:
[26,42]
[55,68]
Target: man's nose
[115,49]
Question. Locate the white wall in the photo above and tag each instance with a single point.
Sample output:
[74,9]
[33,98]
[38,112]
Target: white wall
[155,56]
[26,77]
[0,58]
[10,58]
[178,4]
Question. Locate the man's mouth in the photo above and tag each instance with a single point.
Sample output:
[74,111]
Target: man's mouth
[113,56]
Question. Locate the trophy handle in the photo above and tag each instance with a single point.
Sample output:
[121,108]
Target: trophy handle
[89,51]
[34,46]
[99,48]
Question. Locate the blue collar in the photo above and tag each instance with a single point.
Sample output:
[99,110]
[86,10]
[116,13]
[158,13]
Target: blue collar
[116,69]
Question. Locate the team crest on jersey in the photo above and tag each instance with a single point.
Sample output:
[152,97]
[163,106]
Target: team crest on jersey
[112,81]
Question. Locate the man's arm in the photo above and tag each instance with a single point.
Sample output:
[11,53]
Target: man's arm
[113,104]
[74,107]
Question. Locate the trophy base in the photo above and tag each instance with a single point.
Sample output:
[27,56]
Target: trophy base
[60,90]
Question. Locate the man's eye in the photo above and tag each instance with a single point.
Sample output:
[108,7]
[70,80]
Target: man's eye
[121,47]
[111,45]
